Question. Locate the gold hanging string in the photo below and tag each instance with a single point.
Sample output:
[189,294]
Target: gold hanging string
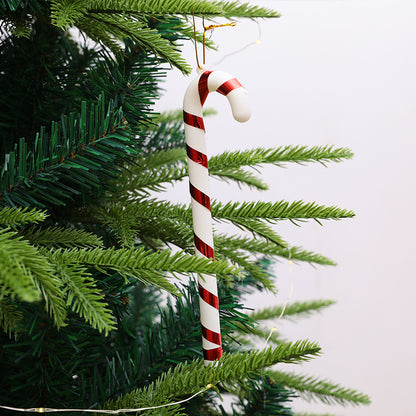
[196,47]
[206,29]
[211,28]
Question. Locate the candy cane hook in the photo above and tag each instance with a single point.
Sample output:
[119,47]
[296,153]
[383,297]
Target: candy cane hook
[195,96]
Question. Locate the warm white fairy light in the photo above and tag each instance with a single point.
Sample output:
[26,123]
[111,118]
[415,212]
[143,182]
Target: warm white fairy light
[288,299]
[109,412]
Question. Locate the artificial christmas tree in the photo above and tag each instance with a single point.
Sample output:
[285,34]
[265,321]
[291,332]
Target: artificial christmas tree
[86,247]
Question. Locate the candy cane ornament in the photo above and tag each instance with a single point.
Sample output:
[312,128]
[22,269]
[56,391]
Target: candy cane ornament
[195,96]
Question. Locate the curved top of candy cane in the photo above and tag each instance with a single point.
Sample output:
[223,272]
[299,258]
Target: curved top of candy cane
[223,83]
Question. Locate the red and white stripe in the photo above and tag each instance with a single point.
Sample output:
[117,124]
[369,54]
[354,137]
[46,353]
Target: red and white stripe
[195,97]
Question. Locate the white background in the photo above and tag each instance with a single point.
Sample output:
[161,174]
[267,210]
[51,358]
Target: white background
[341,73]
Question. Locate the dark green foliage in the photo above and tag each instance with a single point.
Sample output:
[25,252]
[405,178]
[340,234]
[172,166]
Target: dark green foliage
[10,317]
[131,80]
[86,246]
[80,152]
[108,366]
[189,378]
[182,341]
[60,237]
[262,396]
[58,276]
[55,368]
[280,210]
[10,4]
[27,275]
[86,139]
[39,77]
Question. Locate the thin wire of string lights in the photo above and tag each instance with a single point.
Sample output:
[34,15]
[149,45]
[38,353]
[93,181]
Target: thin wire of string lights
[243,48]
[288,299]
[103,411]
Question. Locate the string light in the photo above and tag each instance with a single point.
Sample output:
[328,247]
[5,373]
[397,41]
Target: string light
[109,412]
[290,262]
[256,42]
[288,299]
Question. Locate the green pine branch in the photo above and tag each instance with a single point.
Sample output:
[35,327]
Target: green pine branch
[278,156]
[311,388]
[147,220]
[109,21]
[165,135]
[297,210]
[235,366]
[92,27]
[131,79]
[267,248]
[81,151]
[58,237]
[82,294]
[26,274]
[19,216]
[151,209]
[254,270]
[185,31]
[187,379]
[151,171]
[119,26]
[15,277]
[260,396]
[292,311]
[228,165]
[64,11]
[150,181]
[157,160]
[10,317]
[150,7]
[146,266]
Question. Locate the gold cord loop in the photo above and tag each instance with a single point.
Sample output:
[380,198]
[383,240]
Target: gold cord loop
[209,28]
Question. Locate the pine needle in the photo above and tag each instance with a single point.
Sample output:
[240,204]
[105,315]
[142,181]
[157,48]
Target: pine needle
[293,310]
[20,216]
[312,388]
